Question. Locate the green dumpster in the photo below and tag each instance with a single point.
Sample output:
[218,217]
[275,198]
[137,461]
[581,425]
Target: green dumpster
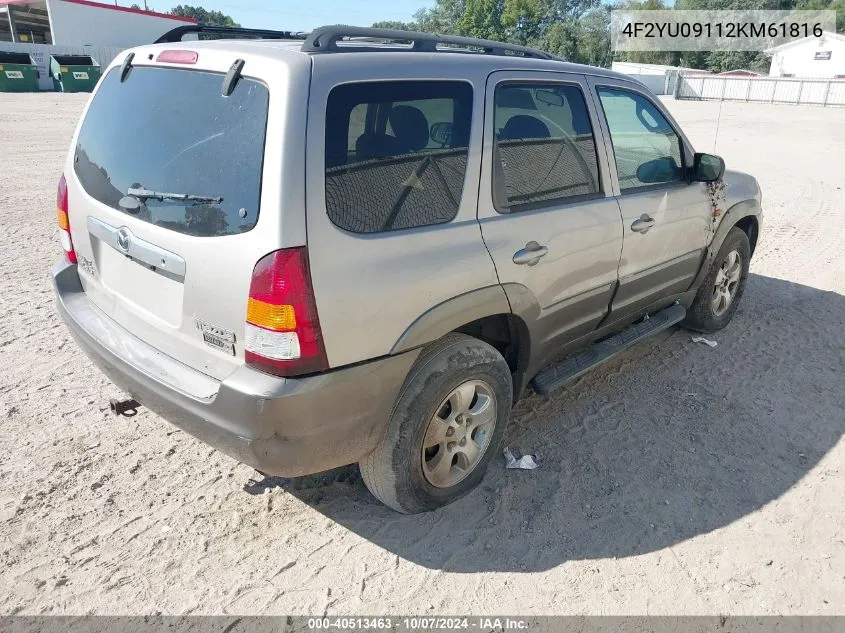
[74,73]
[18,73]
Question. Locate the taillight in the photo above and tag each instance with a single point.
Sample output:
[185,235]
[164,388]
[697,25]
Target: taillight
[282,329]
[64,221]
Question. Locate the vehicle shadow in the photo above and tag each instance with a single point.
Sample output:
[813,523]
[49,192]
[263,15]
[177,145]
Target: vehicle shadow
[669,441]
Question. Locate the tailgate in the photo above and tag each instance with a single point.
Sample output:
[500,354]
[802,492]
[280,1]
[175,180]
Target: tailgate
[165,196]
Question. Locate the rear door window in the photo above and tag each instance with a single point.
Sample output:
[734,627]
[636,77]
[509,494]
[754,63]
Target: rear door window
[396,153]
[171,131]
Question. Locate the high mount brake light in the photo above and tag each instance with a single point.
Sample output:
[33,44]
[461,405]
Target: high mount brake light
[178,57]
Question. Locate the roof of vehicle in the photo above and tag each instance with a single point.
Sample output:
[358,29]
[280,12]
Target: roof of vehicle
[398,55]
[402,47]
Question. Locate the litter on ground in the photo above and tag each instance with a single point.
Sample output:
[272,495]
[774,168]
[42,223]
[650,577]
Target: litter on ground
[526,462]
[706,341]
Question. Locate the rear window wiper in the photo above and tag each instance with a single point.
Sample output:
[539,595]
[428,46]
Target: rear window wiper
[146,194]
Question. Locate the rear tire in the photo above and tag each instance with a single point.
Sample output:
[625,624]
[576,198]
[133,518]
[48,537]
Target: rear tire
[721,291]
[445,428]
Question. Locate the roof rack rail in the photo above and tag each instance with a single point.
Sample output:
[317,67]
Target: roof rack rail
[176,35]
[325,40]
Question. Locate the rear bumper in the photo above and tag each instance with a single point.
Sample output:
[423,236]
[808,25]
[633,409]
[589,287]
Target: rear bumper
[280,426]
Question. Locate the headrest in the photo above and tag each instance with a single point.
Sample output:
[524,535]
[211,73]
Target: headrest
[409,126]
[523,126]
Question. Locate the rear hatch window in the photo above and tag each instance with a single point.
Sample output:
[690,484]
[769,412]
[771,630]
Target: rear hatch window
[166,133]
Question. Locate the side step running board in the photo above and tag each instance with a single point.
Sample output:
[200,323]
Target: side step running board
[569,369]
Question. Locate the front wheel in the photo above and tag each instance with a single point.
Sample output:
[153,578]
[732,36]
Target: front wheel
[445,428]
[720,292]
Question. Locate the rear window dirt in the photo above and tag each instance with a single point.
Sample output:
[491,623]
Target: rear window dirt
[172,131]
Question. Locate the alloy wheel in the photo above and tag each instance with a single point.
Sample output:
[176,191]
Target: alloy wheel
[459,434]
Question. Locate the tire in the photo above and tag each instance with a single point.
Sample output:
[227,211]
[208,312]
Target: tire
[707,314]
[400,471]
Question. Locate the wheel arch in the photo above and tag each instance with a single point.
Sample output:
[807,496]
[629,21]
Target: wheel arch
[750,224]
[484,314]
[746,216]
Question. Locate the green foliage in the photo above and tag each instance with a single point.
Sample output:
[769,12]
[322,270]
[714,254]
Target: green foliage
[721,61]
[483,18]
[584,41]
[579,30]
[396,25]
[530,20]
[203,16]
[830,5]
[442,18]
[666,58]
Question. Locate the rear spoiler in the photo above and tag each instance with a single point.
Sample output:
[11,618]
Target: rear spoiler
[228,32]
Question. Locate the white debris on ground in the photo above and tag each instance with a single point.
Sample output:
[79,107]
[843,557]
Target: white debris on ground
[706,341]
[526,462]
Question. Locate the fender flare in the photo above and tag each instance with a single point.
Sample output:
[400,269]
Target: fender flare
[734,215]
[451,314]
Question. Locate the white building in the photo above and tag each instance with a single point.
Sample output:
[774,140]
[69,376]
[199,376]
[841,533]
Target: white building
[822,57]
[77,27]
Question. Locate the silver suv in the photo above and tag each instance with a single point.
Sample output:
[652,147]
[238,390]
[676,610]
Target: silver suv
[364,246]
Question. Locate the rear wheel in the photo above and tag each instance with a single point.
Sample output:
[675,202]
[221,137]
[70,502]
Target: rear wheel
[720,292]
[446,426]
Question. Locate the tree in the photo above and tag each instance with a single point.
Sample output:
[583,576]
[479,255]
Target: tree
[396,25]
[593,38]
[577,30]
[667,58]
[530,20]
[720,61]
[584,39]
[483,19]
[830,5]
[442,18]
[203,16]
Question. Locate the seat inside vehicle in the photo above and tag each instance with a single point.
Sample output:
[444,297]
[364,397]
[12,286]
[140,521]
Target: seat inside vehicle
[524,126]
[410,134]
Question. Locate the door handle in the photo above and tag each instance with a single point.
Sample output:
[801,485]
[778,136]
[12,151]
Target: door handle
[531,254]
[643,224]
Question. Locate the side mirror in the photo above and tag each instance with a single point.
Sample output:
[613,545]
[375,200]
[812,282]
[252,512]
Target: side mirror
[441,133]
[658,170]
[707,167]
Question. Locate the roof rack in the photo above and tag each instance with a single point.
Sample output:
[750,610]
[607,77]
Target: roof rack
[325,40]
[176,35]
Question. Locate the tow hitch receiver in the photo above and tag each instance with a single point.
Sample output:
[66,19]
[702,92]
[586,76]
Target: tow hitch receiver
[126,408]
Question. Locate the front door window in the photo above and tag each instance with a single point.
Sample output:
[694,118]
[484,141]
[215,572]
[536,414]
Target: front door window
[646,148]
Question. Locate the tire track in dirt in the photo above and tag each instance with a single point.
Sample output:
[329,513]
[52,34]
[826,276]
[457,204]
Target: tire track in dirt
[728,457]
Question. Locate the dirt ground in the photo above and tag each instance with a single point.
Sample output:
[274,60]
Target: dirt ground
[677,479]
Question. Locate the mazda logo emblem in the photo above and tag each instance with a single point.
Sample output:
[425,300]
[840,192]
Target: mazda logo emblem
[124,237]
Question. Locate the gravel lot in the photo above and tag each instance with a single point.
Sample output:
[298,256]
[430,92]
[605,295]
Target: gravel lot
[675,479]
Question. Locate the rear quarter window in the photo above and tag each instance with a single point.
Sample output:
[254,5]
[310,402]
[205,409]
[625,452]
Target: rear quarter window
[172,131]
[396,153]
